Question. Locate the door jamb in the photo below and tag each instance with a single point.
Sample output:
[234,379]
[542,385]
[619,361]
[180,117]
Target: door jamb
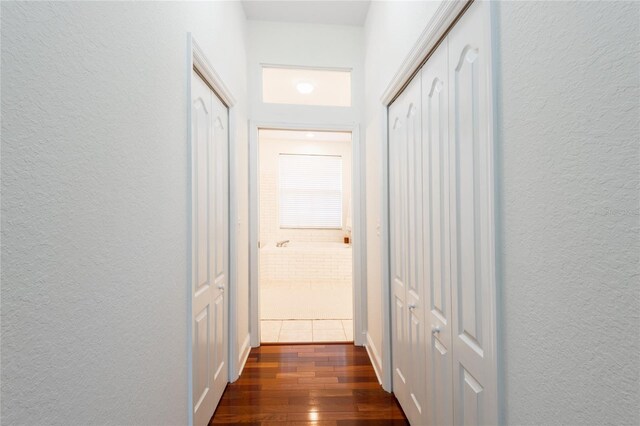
[196,59]
[358,218]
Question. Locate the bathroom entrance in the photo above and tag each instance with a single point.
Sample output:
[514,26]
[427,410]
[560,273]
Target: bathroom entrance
[305,260]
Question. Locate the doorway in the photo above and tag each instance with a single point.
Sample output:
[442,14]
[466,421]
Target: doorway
[305,256]
[305,281]
[211,278]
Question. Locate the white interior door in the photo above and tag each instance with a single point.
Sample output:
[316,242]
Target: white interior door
[210,140]
[398,228]
[408,287]
[435,198]
[472,263]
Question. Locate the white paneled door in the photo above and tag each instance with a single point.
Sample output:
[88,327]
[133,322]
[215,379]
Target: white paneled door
[210,250]
[408,308]
[472,230]
[398,251]
[436,225]
[442,233]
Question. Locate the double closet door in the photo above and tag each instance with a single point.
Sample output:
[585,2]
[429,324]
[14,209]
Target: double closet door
[441,233]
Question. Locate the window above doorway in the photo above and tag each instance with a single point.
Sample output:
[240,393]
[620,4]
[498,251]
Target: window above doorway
[306,86]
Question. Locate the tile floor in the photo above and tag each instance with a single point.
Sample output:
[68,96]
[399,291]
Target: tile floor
[300,331]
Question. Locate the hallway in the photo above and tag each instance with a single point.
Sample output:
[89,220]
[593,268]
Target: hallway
[333,384]
[320,212]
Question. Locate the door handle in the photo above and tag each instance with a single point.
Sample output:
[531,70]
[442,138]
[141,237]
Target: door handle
[435,329]
[412,307]
[221,287]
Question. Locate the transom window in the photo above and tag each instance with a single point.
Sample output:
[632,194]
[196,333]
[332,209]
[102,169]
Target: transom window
[304,86]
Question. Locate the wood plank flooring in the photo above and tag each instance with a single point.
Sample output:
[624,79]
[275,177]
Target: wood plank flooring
[328,384]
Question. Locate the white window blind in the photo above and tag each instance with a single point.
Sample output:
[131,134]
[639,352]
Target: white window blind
[310,191]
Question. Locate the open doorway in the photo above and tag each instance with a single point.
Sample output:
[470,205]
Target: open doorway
[305,256]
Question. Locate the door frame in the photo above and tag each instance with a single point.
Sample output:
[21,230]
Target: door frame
[197,60]
[358,218]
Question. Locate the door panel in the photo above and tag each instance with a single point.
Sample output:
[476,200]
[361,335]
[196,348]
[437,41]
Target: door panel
[397,196]
[219,358]
[471,204]
[210,249]
[406,240]
[471,403]
[201,111]
[220,256]
[201,365]
[435,86]
[415,284]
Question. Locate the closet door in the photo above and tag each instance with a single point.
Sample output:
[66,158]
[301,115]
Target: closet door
[472,230]
[210,249]
[220,246]
[406,247]
[398,229]
[435,200]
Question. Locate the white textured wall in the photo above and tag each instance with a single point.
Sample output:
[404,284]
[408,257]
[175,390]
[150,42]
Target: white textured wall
[94,205]
[391,30]
[569,199]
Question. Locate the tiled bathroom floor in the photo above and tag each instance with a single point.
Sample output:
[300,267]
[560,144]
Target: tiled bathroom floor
[300,331]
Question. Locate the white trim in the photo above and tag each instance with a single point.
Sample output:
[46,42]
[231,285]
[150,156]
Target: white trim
[359,244]
[444,17]
[493,207]
[196,59]
[306,67]
[493,64]
[359,238]
[386,364]
[234,372]
[204,67]
[244,351]
[254,233]
[189,206]
[375,359]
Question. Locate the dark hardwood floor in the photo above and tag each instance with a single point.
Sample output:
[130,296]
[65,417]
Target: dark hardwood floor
[327,384]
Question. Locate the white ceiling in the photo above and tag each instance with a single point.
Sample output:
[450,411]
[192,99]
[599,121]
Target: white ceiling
[308,11]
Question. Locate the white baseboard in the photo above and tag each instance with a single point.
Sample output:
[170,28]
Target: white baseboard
[244,353]
[374,356]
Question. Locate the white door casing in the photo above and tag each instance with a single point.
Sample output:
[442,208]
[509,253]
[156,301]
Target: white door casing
[358,217]
[210,251]
[472,219]
[436,217]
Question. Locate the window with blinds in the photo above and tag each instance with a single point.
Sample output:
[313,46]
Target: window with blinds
[310,191]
